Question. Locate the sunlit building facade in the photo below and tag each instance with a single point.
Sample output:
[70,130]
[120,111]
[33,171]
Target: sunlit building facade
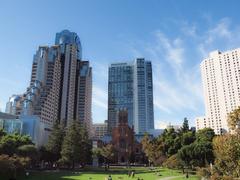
[221,84]
[201,122]
[60,87]
[99,130]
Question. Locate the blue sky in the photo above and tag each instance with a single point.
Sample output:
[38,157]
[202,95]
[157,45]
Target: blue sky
[175,35]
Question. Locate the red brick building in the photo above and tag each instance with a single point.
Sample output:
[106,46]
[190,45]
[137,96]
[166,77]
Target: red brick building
[123,139]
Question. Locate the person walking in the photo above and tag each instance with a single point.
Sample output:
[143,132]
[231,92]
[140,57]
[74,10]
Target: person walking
[109,177]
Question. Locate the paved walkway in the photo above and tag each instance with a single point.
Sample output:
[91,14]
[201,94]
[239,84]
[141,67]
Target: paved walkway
[170,178]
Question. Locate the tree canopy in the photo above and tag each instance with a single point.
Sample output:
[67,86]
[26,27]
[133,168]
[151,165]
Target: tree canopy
[76,147]
[55,141]
[10,143]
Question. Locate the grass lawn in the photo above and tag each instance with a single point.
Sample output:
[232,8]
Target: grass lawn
[116,173]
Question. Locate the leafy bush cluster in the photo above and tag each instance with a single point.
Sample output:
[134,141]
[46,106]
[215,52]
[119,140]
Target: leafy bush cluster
[181,148]
[17,152]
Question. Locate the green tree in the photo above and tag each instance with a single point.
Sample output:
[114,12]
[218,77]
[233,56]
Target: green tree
[227,154]
[11,166]
[147,147]
[204,172]
[185,155]
[173,162]
[153,149]
[185,126]
[10,142]
[2,133]
[30,151]
[44,155]
[54,145]
[15,153]
[202,154]
[107,152]
[227,148]
[206,134]
[76,147]
[86,145]
[234,120]
[188,138]
[171,142]
[198,152]
[96,152]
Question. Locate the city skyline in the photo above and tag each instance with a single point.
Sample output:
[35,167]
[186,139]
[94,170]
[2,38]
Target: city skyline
[164,40]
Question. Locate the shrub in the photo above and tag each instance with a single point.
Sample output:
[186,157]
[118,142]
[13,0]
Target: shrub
[204,172]
[172,162]
[10,166]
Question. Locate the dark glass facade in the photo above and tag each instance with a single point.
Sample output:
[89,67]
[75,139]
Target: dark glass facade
[120,92]
[130,88]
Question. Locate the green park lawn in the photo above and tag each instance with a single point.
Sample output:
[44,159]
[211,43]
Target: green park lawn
[116,173]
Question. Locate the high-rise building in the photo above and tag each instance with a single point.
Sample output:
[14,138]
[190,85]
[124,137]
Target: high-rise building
[143,96]
[42,97]
[201,122]
[71,56]
[221,84]
[84,96]
[99,130]
[120,92]
[130,88]
[61,83]
[14,105]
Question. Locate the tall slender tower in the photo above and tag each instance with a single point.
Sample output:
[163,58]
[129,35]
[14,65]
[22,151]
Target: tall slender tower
[84,96]
[71,56]
[130,87]
[120,92]
[221,84]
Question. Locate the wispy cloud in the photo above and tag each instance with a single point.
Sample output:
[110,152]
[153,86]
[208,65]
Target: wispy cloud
[180,89]
[99,97]
[221,30]
[172,49]
[189,29]
[176,72]
[221,35]
[175,85]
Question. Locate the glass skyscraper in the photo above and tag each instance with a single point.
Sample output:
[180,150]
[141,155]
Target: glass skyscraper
[130,87]
[66,37]
[120,92]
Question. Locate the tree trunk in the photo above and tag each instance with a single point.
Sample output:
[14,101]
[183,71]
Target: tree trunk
[73,164]
[105,164]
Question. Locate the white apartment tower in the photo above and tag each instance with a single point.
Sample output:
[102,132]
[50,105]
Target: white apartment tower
[220,78]
[201,122]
